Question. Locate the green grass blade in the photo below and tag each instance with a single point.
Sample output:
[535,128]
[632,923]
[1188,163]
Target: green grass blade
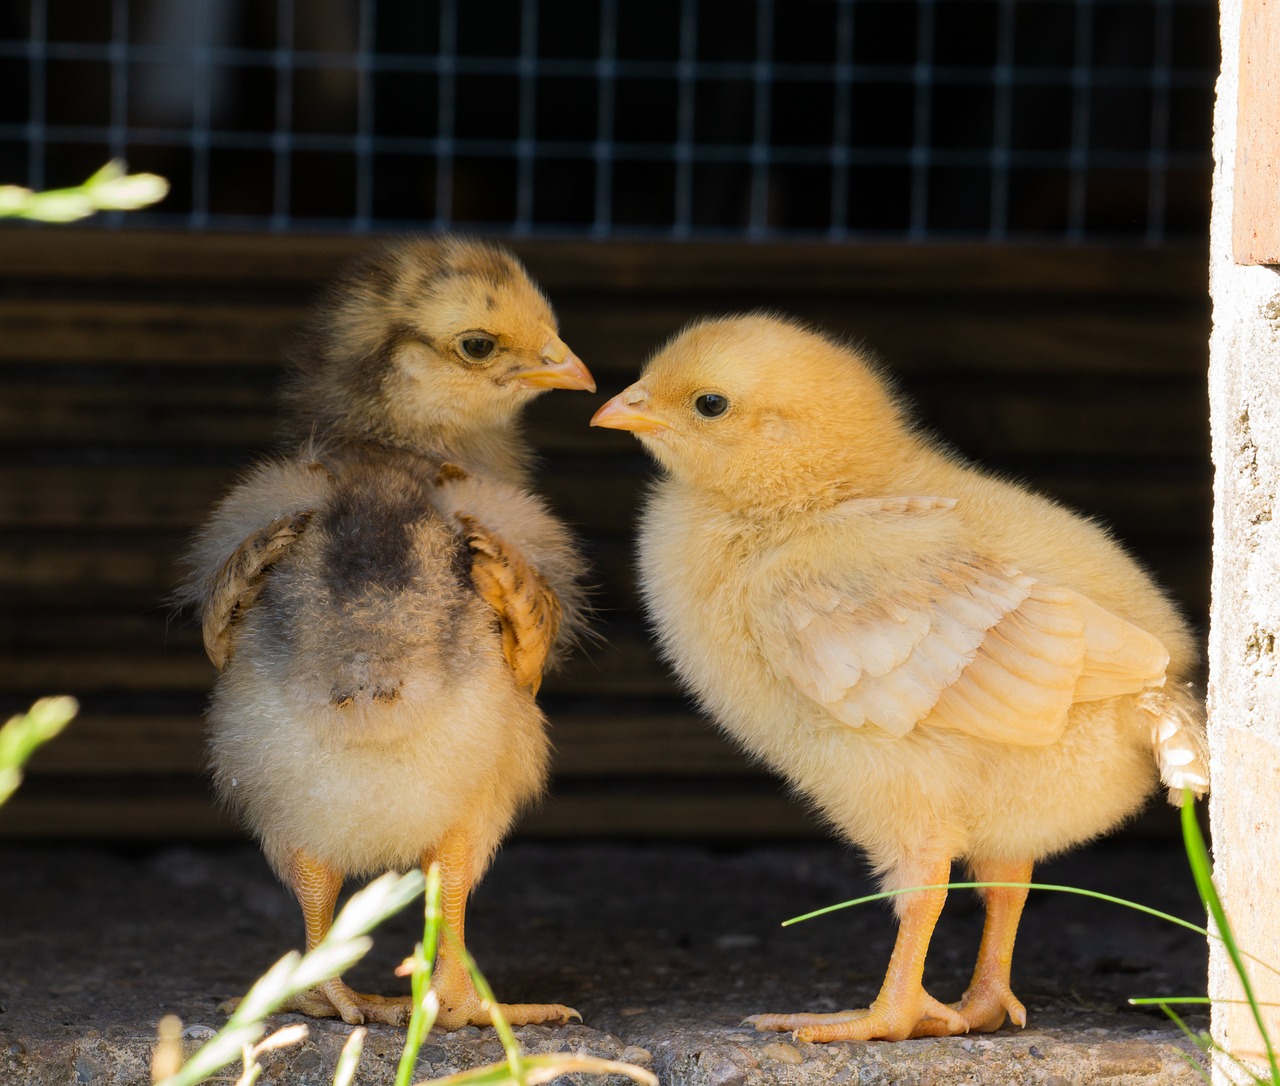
[268,991]
[885,894]
[1053,887]
[110,189]
[552,1065]
[1194,1064]
[346,941]
[503,1028]
[1200,1040]
[251,1075]
[491,1074]
[424,956]
[1201,870]
[349,1059]
[23,733]
[1160,1001]
[545,1068]
[224,1048]
[1156,1001]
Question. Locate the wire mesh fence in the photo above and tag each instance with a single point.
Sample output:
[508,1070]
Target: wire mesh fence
[1067,120]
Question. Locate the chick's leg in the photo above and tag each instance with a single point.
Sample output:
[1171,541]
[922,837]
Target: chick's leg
[903,1006]
[316,887]
[989,998]
[460,1004]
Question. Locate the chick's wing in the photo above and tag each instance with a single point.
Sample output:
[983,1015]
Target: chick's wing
[250,531]
[240,579]
[956,640]
[528,610]
[521,564]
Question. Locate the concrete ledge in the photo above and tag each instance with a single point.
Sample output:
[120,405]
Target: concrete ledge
[663,949]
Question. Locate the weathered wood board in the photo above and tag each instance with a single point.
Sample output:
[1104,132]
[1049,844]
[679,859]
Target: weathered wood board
[137,374]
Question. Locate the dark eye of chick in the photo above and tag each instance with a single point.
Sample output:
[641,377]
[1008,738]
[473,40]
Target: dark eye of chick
[711,404]
[478,348]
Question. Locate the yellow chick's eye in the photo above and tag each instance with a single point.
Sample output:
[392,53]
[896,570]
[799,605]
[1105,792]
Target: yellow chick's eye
[711,405]
[477,347]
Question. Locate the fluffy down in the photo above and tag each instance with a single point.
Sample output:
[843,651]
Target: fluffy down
[948,666]
[383,597]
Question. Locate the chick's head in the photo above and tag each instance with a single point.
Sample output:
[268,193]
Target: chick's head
[427,341]
[764,412]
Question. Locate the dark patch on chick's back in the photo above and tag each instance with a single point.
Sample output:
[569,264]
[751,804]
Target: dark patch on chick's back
[369,533]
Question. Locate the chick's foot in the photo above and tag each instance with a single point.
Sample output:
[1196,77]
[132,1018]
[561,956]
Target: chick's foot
[887,1019]
[903,1008]
[989,999]
[334,999]
[461,1006]
[985,1007]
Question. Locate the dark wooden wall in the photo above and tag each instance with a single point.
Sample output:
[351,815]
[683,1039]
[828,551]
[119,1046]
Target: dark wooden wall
[136,378]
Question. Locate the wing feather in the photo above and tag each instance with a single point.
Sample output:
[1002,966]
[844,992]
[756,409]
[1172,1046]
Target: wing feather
[527,609]
[968,644]
[241,579]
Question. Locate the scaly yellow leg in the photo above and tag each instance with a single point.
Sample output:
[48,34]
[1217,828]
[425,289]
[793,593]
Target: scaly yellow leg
[989,998]
[903,1006]
[460,1005]
[316,887]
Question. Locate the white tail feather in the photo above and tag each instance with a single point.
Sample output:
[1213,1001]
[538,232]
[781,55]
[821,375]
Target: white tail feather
[1178,739]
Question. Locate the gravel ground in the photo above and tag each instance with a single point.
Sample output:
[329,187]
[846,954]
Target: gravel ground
[663,948]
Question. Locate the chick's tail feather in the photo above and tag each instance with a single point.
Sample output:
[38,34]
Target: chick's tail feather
[1177,719]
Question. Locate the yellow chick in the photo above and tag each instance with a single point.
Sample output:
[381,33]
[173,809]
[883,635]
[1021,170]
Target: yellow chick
[381,603]
[946,665]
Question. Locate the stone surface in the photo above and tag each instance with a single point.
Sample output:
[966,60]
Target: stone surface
[664,949]
[1244,676]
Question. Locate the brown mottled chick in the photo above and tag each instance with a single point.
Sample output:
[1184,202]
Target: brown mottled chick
[946,665]
[381,603]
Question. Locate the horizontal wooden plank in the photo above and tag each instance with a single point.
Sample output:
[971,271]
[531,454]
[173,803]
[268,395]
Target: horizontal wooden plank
[617,812]
[149,414]
[146,411]
[987,337]
[54,614]
[614,334]
[587,744]
[57,573]
[140,655]
[643,815]
[183,811]
[133,655]
[133,744]
[624,666]
[129,330]
[137,374]
[152,257]
[56,815]
[134,573]
[177,500]
[135,567]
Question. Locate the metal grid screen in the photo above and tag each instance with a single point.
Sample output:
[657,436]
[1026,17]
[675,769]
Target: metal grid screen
[910,119]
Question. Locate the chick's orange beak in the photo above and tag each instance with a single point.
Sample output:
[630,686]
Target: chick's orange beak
[560,368]
[617,414]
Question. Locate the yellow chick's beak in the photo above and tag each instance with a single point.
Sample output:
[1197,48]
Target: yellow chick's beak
[618,414]
[561,368]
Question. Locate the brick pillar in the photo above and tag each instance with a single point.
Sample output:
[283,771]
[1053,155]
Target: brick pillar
[1244,392]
